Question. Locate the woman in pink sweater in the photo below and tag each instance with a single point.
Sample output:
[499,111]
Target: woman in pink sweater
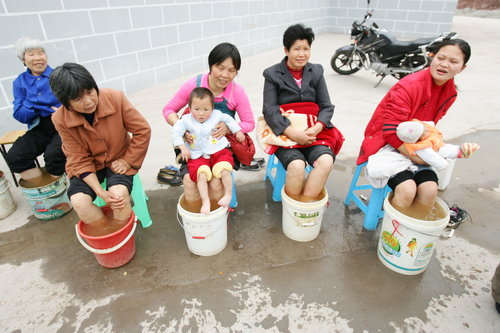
[224,62]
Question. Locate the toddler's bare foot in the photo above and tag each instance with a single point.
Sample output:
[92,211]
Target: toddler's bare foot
[225,200]
[205,208]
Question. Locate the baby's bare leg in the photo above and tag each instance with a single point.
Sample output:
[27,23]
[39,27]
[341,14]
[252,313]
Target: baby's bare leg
[203,190]
[227,182]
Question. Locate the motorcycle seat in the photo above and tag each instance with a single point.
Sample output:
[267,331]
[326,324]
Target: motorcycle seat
[403,46]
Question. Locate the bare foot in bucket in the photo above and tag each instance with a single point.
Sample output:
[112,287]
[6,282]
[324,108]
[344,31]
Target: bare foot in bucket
[225,200]
[205,207]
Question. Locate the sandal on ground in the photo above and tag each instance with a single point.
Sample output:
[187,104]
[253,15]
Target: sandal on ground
[457,216]
[169,179]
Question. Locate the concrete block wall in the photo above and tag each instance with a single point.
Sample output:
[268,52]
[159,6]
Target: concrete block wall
[407,19]
[134,44]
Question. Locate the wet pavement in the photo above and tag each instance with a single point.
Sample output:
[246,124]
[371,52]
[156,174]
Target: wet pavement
[262,281]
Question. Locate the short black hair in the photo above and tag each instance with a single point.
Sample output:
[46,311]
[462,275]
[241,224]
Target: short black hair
[223,51]
[297,32]
[462,45]
[70,81]
[201,93]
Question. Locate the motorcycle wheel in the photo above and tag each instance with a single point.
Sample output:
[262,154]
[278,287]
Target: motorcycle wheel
[344,64]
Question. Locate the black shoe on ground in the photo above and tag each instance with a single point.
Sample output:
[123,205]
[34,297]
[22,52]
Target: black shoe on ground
[169,169]
[260,160]
[169,179]
[254,166]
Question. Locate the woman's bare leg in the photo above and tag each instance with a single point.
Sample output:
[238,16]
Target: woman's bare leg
[318,176]
[31,173]
[85,208]
[124,213]
[404,194]
[426,194]
[215,189]
[294,183]
[190,189]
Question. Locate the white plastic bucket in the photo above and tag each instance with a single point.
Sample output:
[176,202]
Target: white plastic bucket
[302,220]
[406,244]
[206,234]
[444,175]
[7,205]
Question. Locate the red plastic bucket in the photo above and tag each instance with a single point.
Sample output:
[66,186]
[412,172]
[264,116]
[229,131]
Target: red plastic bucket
[113,250]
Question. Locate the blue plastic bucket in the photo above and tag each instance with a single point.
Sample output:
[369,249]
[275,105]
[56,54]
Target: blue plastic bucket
[48,202]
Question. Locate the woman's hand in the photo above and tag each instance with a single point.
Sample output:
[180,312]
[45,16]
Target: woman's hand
[120,166]
[188,137]
[301,137]
[220,130]
[113,200]
[414,158]
[240,136]
[185,154]
[315,129]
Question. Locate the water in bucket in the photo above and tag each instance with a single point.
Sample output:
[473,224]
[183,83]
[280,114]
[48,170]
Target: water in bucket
[105,226]
[421,212]
[46,196]
[302,220]
[111,250]
[406,244]
[194,206]
[206,234]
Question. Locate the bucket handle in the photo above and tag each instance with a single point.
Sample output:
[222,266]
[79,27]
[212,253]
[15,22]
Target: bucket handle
[105,251]
[195,237]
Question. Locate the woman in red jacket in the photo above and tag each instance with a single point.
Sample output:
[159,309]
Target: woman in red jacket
[426,95]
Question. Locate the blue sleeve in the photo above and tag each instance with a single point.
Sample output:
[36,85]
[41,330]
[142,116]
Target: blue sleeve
[24,111]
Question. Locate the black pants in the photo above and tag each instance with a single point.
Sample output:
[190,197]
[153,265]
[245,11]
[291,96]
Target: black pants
[77,185]
[42,139]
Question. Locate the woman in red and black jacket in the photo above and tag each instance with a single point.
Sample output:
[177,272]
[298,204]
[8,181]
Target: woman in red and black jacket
[296,83]
[426,95]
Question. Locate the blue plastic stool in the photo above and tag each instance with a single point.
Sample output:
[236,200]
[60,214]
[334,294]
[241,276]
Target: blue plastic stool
[234,199]
[139,199]
[277,178]
[374,210]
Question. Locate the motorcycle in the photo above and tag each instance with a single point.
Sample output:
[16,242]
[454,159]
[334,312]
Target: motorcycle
[377,49]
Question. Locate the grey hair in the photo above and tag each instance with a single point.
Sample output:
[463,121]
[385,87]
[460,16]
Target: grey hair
[24,44]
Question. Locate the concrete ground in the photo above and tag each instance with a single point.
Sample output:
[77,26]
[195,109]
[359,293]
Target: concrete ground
[262,281]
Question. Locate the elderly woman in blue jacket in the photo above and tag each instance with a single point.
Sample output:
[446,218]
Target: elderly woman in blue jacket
[298,84]
[34,104]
